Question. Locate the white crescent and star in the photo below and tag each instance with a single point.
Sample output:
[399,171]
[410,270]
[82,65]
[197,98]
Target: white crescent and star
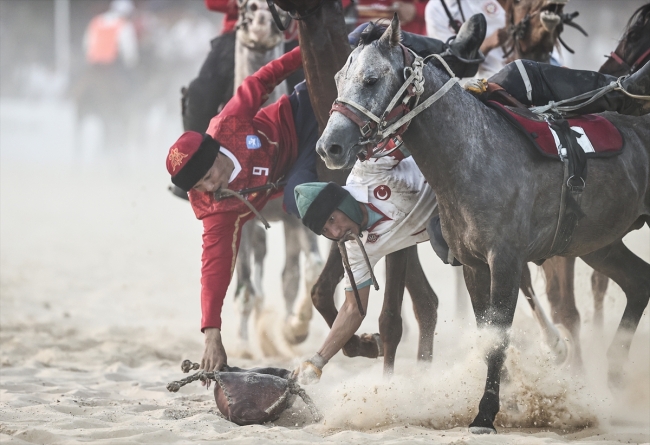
[382,192]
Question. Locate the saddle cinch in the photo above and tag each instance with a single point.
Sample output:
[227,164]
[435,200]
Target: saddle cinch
[571,141]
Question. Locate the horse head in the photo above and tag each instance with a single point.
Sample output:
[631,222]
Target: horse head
[633,51]
[368,85]
[534,27]
[256,28]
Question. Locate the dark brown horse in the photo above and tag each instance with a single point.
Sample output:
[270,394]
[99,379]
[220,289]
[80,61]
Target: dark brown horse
[325,48]
[533,28]
[633,51]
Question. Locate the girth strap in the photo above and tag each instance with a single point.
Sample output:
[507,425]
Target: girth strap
[575,173]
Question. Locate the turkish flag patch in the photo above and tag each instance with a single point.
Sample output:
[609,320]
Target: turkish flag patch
[382,192]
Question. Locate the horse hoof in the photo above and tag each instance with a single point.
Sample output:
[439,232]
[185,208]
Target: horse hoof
[292,338]
[375,341]
[482,424]
[482,430]
[569,347]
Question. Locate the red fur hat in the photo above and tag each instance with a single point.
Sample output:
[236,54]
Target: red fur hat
[190,158]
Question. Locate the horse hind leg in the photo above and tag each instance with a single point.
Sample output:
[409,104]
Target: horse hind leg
[560,291]
[245,293]
[299,311]
[599,283]
[264,322]
[390,319]
[557,338]
[632,274]
[425,304]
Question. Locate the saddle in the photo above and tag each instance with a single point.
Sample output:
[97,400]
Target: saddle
[597,136]
[571,141]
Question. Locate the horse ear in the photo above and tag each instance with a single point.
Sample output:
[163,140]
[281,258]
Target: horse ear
[392,35]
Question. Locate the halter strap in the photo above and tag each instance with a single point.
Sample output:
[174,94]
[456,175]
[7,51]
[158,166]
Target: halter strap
[376,131]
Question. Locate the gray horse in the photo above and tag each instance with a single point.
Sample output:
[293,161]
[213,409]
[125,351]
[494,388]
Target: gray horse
[499,200]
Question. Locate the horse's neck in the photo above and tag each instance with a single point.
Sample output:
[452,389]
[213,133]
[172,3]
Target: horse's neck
[325,49]
[248,61]
[450,136]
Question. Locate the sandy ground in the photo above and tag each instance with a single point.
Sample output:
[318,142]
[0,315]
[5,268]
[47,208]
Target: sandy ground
[99,304]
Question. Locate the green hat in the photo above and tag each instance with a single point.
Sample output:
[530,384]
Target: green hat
[317,200]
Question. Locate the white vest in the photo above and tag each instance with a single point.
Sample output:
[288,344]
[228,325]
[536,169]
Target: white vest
[397,190]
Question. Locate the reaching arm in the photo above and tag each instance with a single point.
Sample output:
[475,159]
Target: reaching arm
[346,324]
[255,89]
[221,236]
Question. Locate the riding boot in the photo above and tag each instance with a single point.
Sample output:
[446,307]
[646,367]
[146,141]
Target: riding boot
[463,55]
[552,83]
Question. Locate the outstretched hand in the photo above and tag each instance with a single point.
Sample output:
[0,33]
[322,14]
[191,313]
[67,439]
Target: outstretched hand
[214,355]
[307,373]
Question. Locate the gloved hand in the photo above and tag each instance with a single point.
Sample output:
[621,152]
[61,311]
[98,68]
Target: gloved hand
[309,371]
[476,86]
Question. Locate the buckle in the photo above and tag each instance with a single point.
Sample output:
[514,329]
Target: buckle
[366,129]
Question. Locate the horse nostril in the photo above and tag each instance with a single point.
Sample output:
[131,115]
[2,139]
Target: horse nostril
[335,149]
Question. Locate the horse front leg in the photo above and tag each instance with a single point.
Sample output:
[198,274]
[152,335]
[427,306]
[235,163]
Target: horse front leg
[632,274]
[390,319]
[493,290]
[425,304]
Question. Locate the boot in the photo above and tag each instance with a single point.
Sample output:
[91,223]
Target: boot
[573,82]
[638,84]
[463,55]
[554,83]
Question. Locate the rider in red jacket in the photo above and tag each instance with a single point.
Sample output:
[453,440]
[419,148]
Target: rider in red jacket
[227,7]
[244,147]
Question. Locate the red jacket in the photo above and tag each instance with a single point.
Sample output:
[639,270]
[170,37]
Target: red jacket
[371,10]
[265,144]
[228,7]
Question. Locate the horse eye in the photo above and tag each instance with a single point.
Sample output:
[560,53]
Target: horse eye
[370,80]
[253,7]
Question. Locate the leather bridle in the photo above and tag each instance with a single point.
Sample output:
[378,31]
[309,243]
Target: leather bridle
[377,131]
[638,63]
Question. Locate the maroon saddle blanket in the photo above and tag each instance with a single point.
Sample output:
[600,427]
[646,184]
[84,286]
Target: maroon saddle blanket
[597,136]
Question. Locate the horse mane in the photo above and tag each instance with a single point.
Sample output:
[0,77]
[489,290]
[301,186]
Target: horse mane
[377,29]
[637,23]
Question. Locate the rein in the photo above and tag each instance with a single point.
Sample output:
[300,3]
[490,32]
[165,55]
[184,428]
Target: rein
[376,131]
[637,63]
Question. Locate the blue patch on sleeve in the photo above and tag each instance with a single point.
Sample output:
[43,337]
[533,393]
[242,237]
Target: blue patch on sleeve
[253,142]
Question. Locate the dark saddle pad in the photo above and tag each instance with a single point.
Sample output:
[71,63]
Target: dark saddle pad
[598,137]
